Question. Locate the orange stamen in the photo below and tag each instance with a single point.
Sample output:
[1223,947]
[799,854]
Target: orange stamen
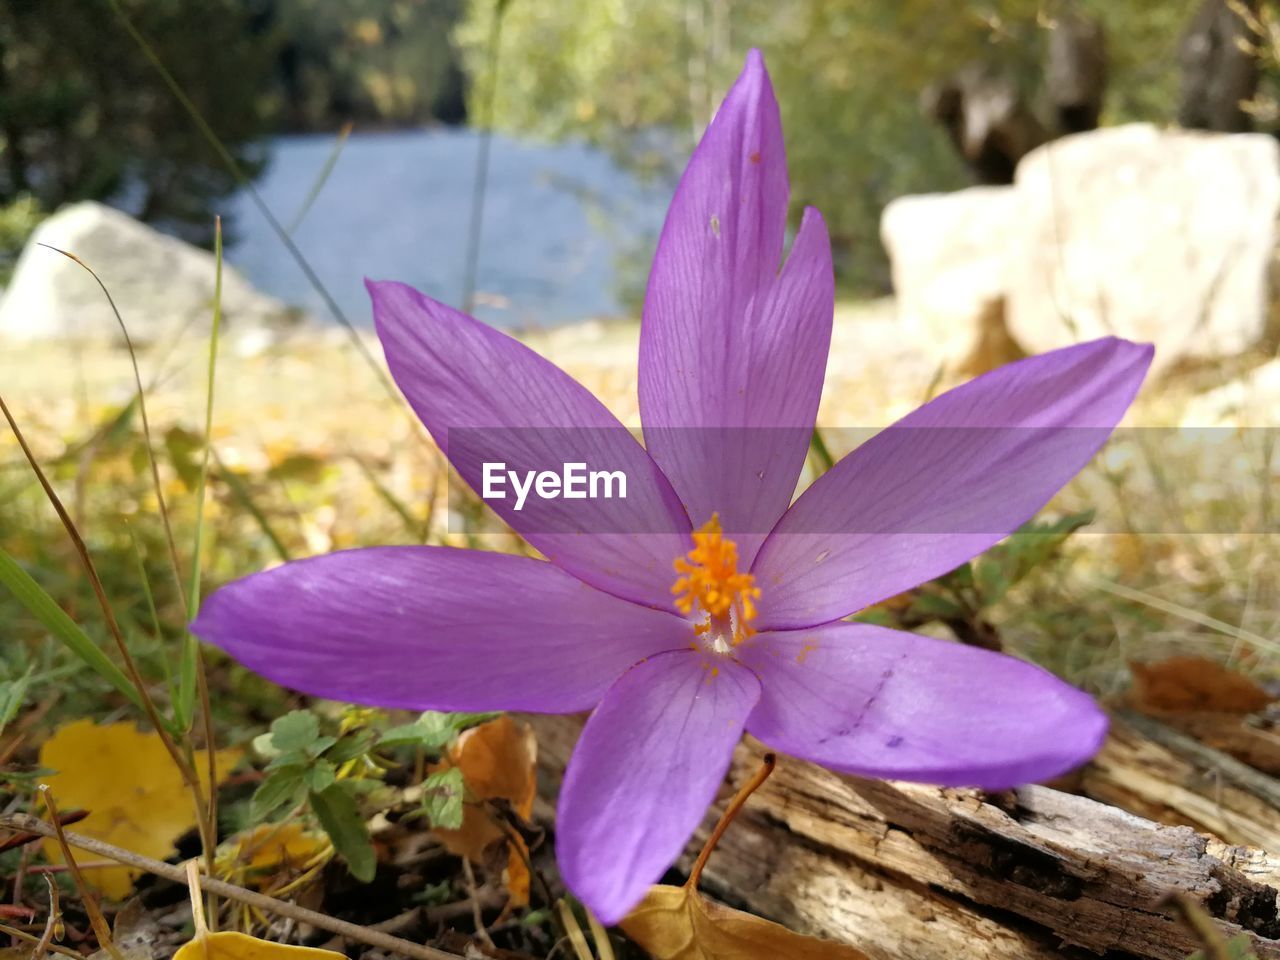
[709,581]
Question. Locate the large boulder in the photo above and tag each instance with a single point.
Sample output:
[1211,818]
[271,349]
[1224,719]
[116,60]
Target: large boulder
[1167,236]
[948,252]
[1250,400]
[160,284]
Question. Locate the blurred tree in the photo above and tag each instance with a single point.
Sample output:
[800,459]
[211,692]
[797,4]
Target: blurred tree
[382,61]
[1220,72]
[639,79]
[1076,72]
[84,115]
[18,220]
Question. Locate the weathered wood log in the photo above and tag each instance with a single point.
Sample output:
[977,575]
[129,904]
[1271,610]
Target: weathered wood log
[1251,739]
[1166,775]
[922,873]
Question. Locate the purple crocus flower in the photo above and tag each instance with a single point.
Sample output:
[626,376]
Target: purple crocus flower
[703,603]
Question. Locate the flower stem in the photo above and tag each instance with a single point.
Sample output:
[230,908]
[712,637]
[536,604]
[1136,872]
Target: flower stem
[740,798]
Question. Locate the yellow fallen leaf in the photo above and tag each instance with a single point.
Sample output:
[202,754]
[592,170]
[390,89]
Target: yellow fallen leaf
[497,760]
[266,849]
[676,923]
[128,782]
[229,945]
[232,945]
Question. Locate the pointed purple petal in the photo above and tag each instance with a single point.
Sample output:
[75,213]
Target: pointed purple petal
[434,628]
[945,482]
[732,353]
[487,397]
[647,767]
[882,703]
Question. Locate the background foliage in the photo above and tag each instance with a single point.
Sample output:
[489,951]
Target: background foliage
[83,115]
[848,75]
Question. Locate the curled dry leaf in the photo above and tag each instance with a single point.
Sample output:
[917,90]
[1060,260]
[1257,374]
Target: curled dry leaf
[678,923]
[134,794]
[497,760]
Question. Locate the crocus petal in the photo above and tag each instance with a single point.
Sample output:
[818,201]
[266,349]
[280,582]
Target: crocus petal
[945,482]
[732,353]
[486,397]
[643,774]
[881,703]
[434,628]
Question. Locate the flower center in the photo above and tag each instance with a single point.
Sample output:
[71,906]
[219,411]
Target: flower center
[710,585]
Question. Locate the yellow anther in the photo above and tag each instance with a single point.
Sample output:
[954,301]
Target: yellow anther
[709,581]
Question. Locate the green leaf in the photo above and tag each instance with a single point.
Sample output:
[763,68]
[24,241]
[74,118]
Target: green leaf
[12,695]
[442,798]
[992,581]
[291,758]
[349,747]
[320,776]
[338,814]
[933,605]
[878,616]
[320,745]
[296,730]
[1033,544]
[264,748]
[277,789]
[42,606]
[432,729]
[961,576]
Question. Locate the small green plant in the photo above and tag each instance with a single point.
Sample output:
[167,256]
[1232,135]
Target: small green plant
[338,777]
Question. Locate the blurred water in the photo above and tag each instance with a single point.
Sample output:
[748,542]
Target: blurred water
[565,231]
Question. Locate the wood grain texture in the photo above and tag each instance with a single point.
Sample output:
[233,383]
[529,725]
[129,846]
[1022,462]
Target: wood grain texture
[913,872]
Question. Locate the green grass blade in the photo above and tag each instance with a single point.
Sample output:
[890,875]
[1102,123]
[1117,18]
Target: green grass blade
[154,613]
[185,703]
[245,499]
[412,524]
[42,606]
[821,452]
[329,163]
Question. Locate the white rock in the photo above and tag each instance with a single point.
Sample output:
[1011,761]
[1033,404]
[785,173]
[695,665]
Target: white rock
[1165,236]
[1252,400]
[948,253]
[160,284]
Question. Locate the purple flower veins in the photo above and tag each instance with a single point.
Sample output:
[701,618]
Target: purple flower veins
[705,603]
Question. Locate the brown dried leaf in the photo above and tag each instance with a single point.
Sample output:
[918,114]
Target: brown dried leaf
[497,760]
[677,923]
[1194,685]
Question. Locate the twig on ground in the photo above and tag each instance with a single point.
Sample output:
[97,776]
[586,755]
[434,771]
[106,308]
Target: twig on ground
[96,919]
[29,938]
[50,924]
[26,823]
[469,878]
